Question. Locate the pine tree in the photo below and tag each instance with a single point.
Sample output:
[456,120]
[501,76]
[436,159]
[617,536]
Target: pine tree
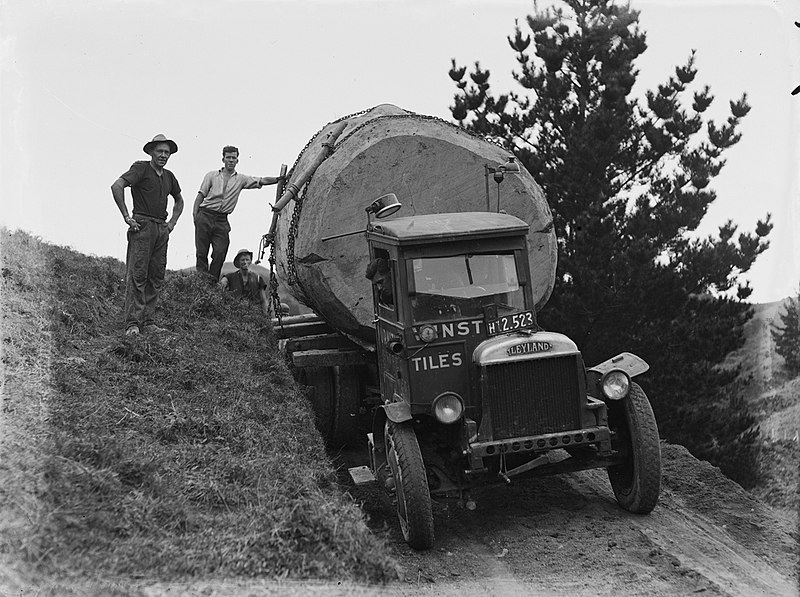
[787,338]
[628,181]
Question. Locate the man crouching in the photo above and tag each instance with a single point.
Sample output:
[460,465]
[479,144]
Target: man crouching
[244,283]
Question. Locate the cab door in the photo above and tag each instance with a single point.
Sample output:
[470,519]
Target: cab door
[391,353]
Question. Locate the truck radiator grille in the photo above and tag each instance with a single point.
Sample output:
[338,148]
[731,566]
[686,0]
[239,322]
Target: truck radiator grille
[533,397]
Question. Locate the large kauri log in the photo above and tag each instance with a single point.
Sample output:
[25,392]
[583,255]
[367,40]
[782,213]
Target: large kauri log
[432,166]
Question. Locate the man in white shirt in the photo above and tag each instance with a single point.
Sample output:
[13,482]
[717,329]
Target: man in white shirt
[216,199]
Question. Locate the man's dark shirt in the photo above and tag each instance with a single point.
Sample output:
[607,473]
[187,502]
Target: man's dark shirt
[150,190]
[249,288]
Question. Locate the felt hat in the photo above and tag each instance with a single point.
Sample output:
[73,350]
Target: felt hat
[239,254]
[159,138]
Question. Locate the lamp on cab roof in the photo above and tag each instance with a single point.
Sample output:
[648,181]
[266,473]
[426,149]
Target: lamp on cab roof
[384,206]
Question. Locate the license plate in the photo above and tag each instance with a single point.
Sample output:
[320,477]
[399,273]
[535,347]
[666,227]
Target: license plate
[509,323]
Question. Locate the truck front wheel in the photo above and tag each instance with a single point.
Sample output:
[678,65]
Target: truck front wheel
[411,485]
[636,481]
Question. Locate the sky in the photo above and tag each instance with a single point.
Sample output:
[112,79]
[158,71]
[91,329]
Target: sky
[85,83]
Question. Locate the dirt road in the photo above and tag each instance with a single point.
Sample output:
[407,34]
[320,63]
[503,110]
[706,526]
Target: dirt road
[566,536]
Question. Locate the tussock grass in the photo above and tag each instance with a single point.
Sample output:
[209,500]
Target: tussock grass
[25,391]
[183,454]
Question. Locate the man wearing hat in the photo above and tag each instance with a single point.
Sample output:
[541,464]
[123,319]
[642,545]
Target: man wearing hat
[244,283]
[215,201]
[148,230]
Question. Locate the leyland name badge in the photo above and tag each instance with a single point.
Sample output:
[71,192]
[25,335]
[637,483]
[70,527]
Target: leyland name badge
[528,347]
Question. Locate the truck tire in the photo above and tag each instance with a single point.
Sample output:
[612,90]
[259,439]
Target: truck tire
[411,485]
[335,398]
[321,382]
[637,480]
[344,421]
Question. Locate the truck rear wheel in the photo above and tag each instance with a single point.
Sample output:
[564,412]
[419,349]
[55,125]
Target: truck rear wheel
[347,400]
[637,480]
[335,399]
[411,485]
[320,380]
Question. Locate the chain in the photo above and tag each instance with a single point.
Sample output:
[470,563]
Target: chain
[274,299]
[311,141]
[269,243]
[298,207]
[298,202]
[419,117]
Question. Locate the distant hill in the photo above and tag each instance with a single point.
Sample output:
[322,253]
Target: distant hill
[775,398]
[771,391]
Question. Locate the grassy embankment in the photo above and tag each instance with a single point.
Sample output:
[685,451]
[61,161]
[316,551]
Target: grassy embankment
[188,453]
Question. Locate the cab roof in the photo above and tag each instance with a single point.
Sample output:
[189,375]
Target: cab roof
[449,226]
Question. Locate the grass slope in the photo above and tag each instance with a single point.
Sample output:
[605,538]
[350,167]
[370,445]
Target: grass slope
[187,453]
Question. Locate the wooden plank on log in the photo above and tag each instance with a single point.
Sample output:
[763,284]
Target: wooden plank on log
[320,342]
[292,319]
[303,329]
[330,358]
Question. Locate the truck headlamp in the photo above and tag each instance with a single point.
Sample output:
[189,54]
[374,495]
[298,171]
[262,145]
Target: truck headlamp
[448,407]
[615,384]
[427,333]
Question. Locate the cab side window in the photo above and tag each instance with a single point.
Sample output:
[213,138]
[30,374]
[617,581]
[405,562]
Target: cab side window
[380,273]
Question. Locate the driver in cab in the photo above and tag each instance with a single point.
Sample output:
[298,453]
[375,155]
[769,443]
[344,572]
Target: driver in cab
[380,275]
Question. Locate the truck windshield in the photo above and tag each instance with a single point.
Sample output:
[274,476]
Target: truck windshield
[462,285]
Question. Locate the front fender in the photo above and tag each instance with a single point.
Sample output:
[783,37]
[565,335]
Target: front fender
[625,361]
[397,412]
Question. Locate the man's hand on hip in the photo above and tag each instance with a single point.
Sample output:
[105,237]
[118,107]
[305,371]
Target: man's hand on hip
[132,224]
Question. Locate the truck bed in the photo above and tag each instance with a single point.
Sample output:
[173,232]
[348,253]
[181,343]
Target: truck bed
[310,342]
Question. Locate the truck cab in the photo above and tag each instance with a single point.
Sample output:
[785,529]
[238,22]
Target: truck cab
[447,276]
[473,390]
